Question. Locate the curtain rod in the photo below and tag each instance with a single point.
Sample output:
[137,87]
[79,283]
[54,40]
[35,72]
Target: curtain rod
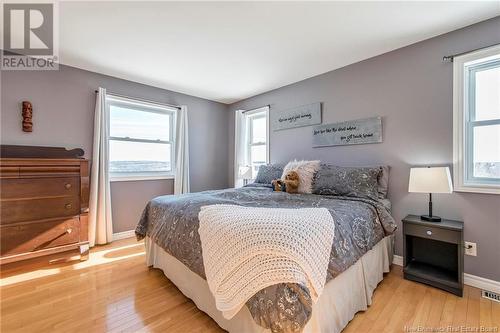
[260,107]
[449,58]
[141,99]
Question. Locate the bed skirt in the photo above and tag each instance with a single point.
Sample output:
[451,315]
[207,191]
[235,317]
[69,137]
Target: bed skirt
[342,297]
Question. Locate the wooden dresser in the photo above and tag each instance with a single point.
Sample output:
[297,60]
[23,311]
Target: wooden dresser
[43,207]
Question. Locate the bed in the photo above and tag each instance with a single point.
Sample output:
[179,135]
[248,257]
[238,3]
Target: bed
[361,253]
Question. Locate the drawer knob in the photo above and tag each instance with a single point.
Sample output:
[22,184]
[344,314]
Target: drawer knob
[69,230]
[428,232]
[67,186]
[68,206]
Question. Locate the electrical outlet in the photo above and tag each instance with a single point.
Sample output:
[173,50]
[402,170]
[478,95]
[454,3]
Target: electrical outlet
[471,249]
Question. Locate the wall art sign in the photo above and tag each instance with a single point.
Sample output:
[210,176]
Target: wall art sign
[352,132]
[305,115]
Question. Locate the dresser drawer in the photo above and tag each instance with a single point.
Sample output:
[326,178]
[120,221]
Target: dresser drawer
[7,171]
[30,237]
[23,188]
[49,170]
[37,209]
[428,232]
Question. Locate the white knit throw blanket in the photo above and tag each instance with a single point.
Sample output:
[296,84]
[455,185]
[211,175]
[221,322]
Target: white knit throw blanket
[246,249]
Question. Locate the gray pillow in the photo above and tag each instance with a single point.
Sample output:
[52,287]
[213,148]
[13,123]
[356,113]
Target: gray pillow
[347,181]
[268,172]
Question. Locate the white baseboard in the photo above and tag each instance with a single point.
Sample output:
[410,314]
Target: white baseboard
[482,283]
[397,260]
[469,279]
[123,235]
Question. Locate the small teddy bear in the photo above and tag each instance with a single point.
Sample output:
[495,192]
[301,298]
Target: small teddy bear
[290,184]
[278,185]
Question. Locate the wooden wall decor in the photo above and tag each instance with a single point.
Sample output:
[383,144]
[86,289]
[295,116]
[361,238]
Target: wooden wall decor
[27,116]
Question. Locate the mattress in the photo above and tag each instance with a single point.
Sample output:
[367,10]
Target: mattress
[172,223]
[342,297]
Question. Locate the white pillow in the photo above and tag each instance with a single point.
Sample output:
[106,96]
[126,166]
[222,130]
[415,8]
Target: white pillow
[306,171]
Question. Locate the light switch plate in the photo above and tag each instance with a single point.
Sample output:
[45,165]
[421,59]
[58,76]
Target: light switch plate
[471,249]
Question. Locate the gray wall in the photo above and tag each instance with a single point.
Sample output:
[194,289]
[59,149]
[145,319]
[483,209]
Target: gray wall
[63,103]
[412,90]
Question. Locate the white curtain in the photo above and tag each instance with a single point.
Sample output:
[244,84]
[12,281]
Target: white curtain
[240,149]
[181,181]
[100,221]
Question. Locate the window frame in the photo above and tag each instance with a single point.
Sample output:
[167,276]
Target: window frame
[464,120]
[142,106]
[250,116]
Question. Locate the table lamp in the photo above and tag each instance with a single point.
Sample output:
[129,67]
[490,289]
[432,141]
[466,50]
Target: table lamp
[245,173]
[430,180]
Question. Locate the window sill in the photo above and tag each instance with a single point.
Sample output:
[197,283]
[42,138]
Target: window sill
[477,189]
[138,178]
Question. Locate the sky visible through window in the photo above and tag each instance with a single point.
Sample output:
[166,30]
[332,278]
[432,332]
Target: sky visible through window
[487,138]
[130,156]
[258,152]
[259,130]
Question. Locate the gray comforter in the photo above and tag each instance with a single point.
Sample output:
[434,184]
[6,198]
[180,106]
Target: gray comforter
[172,223]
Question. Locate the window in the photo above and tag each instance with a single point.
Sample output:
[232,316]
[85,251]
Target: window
[141,139]
[251,143]
[257,148]
[477,121]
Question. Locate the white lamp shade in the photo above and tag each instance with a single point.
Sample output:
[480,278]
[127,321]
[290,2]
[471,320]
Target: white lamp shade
[245,172]
[430,180]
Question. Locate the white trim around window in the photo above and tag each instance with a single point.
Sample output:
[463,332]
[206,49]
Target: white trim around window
[243,143]
[254,115]
[250,117]
[465,121]
[142,106]
[129,177]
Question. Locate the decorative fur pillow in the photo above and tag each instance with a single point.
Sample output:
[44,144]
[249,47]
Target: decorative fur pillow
[306,171]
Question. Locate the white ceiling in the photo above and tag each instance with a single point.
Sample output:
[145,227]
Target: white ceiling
[227,51]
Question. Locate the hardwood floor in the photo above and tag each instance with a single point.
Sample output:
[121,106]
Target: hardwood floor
[115,292]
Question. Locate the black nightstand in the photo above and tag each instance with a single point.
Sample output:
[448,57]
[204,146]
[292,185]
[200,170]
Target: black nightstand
[434,253]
